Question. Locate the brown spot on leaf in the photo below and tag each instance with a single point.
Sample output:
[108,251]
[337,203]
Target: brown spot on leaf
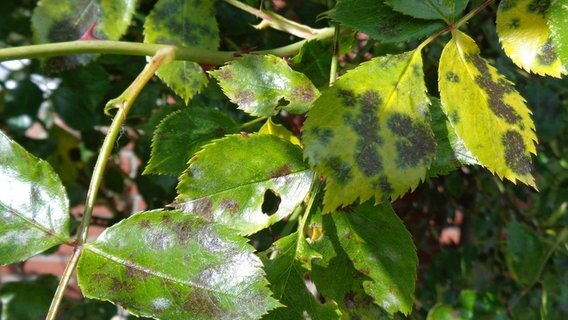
[303,94]
[547,54]
[225,74]
[144,224]
[245,97]
[229,205]
[203,304]
[282,171]
[183,231]
[204,207]
[452,77]
[516,156]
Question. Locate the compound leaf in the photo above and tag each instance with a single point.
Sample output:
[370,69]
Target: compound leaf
[228,180]
[381,248]
[183,23]
[447,10]
[258,84]
[68,20]
[173,265]
[34,210]
[286,276]
[369,134]
[526,38]
[557,22]
[381,22]
[483,106]
[181,134]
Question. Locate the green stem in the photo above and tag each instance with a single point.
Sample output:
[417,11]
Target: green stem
[313,193]
[334,57]
[143,49]
[124,102]
[276,21]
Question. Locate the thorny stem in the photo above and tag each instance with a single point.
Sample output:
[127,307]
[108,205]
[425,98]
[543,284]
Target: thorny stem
[144,49]
[276,21]
[124,102]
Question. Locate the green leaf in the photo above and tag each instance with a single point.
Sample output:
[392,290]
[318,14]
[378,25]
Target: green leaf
[27,299]
[557,22]
[171,265]
[68,20]
[286,276]
[33,205]
[380,22]
[447,10]
[381,248]
[314,60]
[525,253]
[260,85]
[226,182]
[183,23]
[526,38]
[485,110]
[369,134]
[450,151]
[183,133]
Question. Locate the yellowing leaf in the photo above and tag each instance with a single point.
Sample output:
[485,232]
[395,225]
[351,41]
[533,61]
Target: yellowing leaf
[486,111]
[370,134]
[280,131]
[526,38]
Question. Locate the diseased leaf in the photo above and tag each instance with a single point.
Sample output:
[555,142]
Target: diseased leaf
[173,265]
[447,10]
[450,150]
[183,23]
[68,20]
[557,22]
[369,134]
[286,276]
[526,38]
[381,248]
[381,22]
[181,134]
[486,111]
[34,210]
[226,182]
[525,253]
[280,131]
[260,85]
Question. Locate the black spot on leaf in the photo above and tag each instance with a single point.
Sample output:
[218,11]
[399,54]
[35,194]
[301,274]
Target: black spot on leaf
[547,55]
[324,135]
[452,77]
[516,153]
[417,144]
[341,171]
[539,7]
[369,160]
[348,97]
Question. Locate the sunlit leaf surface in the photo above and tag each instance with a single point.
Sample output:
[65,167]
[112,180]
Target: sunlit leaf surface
[34,210]
[260,85]
[229,180]
[487,113]
[280,131]
[369,134]
[181,134]
[188,24]
[68,20]
[381,22]
[381,248]
[447,10]
[526,38]
[286,277]
[173,265]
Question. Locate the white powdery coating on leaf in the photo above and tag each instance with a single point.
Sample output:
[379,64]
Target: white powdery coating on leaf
[161,303]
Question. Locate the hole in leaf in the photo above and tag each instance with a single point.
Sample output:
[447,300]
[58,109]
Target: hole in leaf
[271,202]
[283,102]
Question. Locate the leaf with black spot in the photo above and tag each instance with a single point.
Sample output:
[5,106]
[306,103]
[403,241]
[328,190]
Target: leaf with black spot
[183,133]
[69,20]
[486,111]
[34,210]
[184,23]
[447,10]
[369,134]
[381,248]
[286,276]
[227,180]
[260,85]
[173,265]
[381,22]
[526,38]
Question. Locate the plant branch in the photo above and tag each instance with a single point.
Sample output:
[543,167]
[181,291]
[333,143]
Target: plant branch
[124,102]
[143,49]
[276,21]
[334,57]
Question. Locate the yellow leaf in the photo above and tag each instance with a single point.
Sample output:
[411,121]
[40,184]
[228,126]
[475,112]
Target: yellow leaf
[526,38]
[280,131]
[486,111]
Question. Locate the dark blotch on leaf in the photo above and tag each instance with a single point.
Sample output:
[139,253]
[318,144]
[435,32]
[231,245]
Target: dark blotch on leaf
[324,135]
[341,171]
[204,207]
[203,305]
[539,7]
[271,202]
[547,55]
[369,160]
[245,97]
[183,231]
[417,145]
[304,94]
[282,171]
[229,205]
[516,153]
[384,186]
[452,77]
[348,97]
[495,91]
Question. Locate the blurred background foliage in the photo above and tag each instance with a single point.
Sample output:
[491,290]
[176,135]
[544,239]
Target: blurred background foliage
[488,249]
